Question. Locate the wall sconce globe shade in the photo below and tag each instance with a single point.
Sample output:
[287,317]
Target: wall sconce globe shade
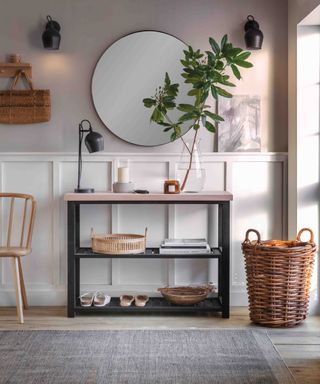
[253,36]
[51,36]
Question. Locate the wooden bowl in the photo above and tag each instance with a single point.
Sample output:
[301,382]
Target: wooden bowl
[185,295]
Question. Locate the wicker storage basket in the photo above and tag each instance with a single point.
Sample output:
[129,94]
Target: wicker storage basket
[117,244]
[24,106]
[186,295]
[278,279]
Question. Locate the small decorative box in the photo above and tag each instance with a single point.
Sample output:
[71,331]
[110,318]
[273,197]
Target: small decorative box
[171,187]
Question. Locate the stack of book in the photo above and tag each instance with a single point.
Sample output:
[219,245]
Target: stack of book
[184,246]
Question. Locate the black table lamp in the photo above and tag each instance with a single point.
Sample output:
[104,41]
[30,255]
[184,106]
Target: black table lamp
[94,143]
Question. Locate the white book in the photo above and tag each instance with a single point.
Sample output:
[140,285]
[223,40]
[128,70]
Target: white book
[184,251]
[184,243]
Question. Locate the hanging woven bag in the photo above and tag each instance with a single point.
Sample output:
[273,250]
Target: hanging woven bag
[24,106]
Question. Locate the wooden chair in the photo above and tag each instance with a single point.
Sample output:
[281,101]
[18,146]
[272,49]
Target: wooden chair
[21,235]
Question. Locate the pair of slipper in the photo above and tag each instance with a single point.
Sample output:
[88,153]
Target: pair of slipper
[98,299]
[139,300]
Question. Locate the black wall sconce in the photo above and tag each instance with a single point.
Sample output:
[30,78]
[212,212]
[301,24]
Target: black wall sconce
[51,36]
[253,36]
[94,143]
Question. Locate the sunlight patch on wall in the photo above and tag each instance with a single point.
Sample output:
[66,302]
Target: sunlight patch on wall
[57,63]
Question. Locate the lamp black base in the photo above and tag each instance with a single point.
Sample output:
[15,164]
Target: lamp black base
[84,190]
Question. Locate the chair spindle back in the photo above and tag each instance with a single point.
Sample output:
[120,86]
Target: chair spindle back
[28,216]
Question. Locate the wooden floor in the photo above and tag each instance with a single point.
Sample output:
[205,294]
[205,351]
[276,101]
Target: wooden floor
[299,346]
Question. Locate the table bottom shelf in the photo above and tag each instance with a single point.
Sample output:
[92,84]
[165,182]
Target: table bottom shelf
[155,304]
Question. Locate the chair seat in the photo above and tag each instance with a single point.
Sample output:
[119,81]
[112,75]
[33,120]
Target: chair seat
[14,251]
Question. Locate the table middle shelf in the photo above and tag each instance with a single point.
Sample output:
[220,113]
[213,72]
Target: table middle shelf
[150,253]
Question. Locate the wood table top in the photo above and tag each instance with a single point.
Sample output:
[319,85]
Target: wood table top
[205,196]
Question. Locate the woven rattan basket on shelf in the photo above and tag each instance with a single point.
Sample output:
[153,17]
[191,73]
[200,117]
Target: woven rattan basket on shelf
[279,279]
[117,244]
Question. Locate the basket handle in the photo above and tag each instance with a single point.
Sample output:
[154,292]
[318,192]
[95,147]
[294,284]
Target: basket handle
[15,80]
[247,240]
[17,77]
[303,230]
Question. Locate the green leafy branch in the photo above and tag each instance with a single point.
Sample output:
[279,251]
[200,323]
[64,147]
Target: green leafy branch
[207,74]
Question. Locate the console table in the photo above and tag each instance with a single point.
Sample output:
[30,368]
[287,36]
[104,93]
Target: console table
[218,303]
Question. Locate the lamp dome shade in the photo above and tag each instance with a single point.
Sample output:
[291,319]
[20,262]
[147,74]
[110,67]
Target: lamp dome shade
[253,36]
[51,36]
[94,142]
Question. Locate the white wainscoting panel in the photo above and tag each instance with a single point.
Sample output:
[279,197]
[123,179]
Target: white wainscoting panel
[34,178]
[257,180]
[258,204]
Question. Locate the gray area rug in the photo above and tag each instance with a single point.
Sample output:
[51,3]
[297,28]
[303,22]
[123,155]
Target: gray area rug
[138,357]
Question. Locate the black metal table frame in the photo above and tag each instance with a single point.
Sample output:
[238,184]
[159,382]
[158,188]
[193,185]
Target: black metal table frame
[221,253]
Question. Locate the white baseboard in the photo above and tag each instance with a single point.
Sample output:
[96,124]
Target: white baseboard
[58,296]
[36,297]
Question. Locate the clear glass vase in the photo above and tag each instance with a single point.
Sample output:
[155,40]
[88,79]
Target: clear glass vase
[190,171]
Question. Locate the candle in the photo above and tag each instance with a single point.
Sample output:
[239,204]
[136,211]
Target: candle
[123,175]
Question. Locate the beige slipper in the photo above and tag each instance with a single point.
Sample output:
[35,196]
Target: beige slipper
[126,300]
[101,299]
[86,299]
[141,300]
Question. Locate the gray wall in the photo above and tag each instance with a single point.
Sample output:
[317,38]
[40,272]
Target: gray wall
[88,27]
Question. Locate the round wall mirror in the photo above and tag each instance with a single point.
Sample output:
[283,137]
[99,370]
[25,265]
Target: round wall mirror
[129,71]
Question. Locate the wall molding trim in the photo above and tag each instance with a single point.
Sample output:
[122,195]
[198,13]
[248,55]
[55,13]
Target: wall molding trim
[257,180]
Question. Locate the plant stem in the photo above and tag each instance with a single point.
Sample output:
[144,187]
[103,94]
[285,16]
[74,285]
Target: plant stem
[184,143]
[190,161]
[192,149]
[168,119]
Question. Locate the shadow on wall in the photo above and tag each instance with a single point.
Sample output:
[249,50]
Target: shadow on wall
[35,34]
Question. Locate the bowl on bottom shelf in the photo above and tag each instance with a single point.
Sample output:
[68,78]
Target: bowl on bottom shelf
[186,295]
